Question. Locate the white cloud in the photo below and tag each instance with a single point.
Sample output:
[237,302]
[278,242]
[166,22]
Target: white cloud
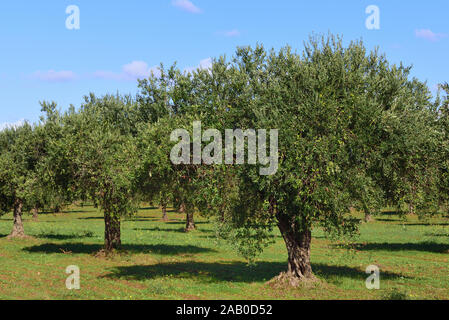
[137,70]
[130,72]
[108,75]
[16,124]
[140,70]
[204,65]
[54,76]
[429,35]
[186,5]
[232,33]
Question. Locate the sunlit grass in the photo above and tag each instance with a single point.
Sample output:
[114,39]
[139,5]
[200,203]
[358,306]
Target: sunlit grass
[160,261]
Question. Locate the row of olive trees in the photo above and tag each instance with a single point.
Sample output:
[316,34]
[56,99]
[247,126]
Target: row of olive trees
[354,131]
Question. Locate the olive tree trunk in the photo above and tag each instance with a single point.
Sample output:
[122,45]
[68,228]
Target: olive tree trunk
[368,213]
[368,217]
[411,204]
[17,230]
[112,239]
[164,212]
[35,212]
[411,209]
[298,248]
[182,208]
[190,225]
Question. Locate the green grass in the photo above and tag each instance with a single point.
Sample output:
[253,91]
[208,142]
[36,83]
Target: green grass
[160,261]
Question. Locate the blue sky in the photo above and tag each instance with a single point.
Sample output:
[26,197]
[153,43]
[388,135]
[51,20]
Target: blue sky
[119,41]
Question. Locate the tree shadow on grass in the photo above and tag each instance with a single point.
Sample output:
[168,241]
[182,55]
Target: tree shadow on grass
[74,211]
[330,272]
[387,220]
[437,235]
[181,230]
[144,219]
[54,236]
[140,219]
[137,219]
[45,213]
[177,230]
[421,246]
[232,271]
[390,213]
[441,224]
[184,222]
[148,208]
[130,248]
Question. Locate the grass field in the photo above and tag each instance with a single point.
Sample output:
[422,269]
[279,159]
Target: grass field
[160,261]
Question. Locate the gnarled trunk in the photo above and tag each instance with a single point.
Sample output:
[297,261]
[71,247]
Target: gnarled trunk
[18,230]
[411,209]
[164,213]
[411,204]
[112,239]
[368,217]
[298,248]
[182,208]
[190,225]
[35,213]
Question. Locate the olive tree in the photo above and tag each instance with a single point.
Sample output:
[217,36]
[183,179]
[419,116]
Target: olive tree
[332,106]
[160,176]
[20,156]
[409,152]
[166,102]
[443,159]
[104,159]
